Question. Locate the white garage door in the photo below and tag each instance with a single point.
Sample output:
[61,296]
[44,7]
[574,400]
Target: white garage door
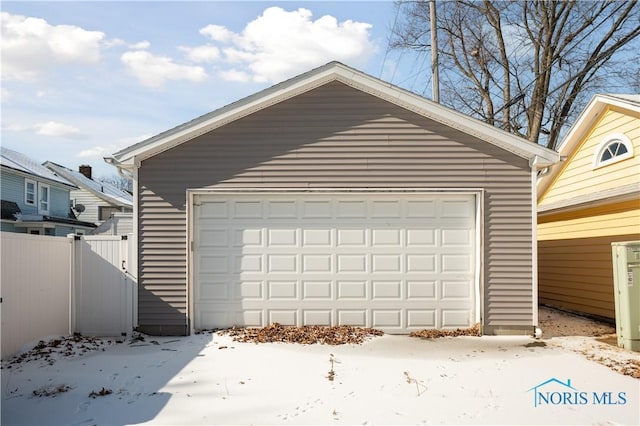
[393,261]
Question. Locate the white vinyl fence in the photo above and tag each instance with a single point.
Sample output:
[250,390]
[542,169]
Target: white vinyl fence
[35,284]
[58,286]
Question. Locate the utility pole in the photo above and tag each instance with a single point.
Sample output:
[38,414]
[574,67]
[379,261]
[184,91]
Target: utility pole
[435,78]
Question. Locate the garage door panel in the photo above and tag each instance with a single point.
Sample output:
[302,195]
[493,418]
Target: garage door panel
[351,210]
[282,237]
[354,289]
[352,238]
[317,317]
[317,263]
[421,209]
[248,237]
[317,290]
[387,289]
[421,237]
[354,317]
[352,263]
[421,318]
[386,237]
[386,318]
[386,209]
[247,290]
[421,289]
[390,261]
[321,238]
[282,209]
[455,318]
[317,209]
[284,316]
[282,290]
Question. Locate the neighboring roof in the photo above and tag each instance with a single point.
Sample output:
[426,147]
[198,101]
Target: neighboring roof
[103,190]
[20,162]
[585,122]
[333,71]
[28,220]
[618,194]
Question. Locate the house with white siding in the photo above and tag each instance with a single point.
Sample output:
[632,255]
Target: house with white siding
[335,198]
[97,202]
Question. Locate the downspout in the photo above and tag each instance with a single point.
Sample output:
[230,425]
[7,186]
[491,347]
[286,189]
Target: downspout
[533,164]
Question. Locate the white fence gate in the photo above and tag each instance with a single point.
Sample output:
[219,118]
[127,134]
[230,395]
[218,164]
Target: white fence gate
[105,294]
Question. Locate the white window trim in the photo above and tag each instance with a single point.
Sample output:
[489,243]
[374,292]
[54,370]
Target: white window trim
[612,137]
[35,192]
[40,209]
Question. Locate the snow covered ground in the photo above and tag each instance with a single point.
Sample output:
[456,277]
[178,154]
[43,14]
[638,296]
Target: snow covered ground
[210,379]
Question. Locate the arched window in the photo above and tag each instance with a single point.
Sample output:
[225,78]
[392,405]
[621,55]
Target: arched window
[613,148]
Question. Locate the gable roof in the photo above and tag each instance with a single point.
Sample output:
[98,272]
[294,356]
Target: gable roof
[585,122]
[17,161]
[102,190]
[333,71]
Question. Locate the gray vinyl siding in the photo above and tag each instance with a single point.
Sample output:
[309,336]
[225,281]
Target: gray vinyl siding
[335,136]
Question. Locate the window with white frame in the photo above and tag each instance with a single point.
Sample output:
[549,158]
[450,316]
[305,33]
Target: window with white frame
[613,148]
[44,195]
[29,192]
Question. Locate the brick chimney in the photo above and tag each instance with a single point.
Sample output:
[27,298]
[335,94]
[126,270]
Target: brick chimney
[85,170]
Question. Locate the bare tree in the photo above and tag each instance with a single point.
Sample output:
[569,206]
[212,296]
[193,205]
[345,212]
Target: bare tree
[118,181]
[525,66]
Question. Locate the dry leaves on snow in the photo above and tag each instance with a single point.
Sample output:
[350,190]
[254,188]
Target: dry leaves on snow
[307,335]
[54,349]
[434,334]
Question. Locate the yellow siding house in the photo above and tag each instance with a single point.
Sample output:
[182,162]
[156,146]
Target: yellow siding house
[587,202]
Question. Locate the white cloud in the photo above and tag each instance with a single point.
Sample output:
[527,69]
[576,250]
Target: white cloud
[217,33]
[235,75]
[96,151]
[279,44]
[60,130]
[31,45]
[119,42]
[152,71]
[206,53]
[101,151]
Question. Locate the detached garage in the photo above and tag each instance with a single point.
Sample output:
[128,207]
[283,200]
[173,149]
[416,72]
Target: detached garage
[335,198]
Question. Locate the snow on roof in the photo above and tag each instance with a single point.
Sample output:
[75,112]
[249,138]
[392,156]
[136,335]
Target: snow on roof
[18,161]
[103,190]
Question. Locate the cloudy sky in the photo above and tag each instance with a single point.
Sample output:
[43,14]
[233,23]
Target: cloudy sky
[81,80]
